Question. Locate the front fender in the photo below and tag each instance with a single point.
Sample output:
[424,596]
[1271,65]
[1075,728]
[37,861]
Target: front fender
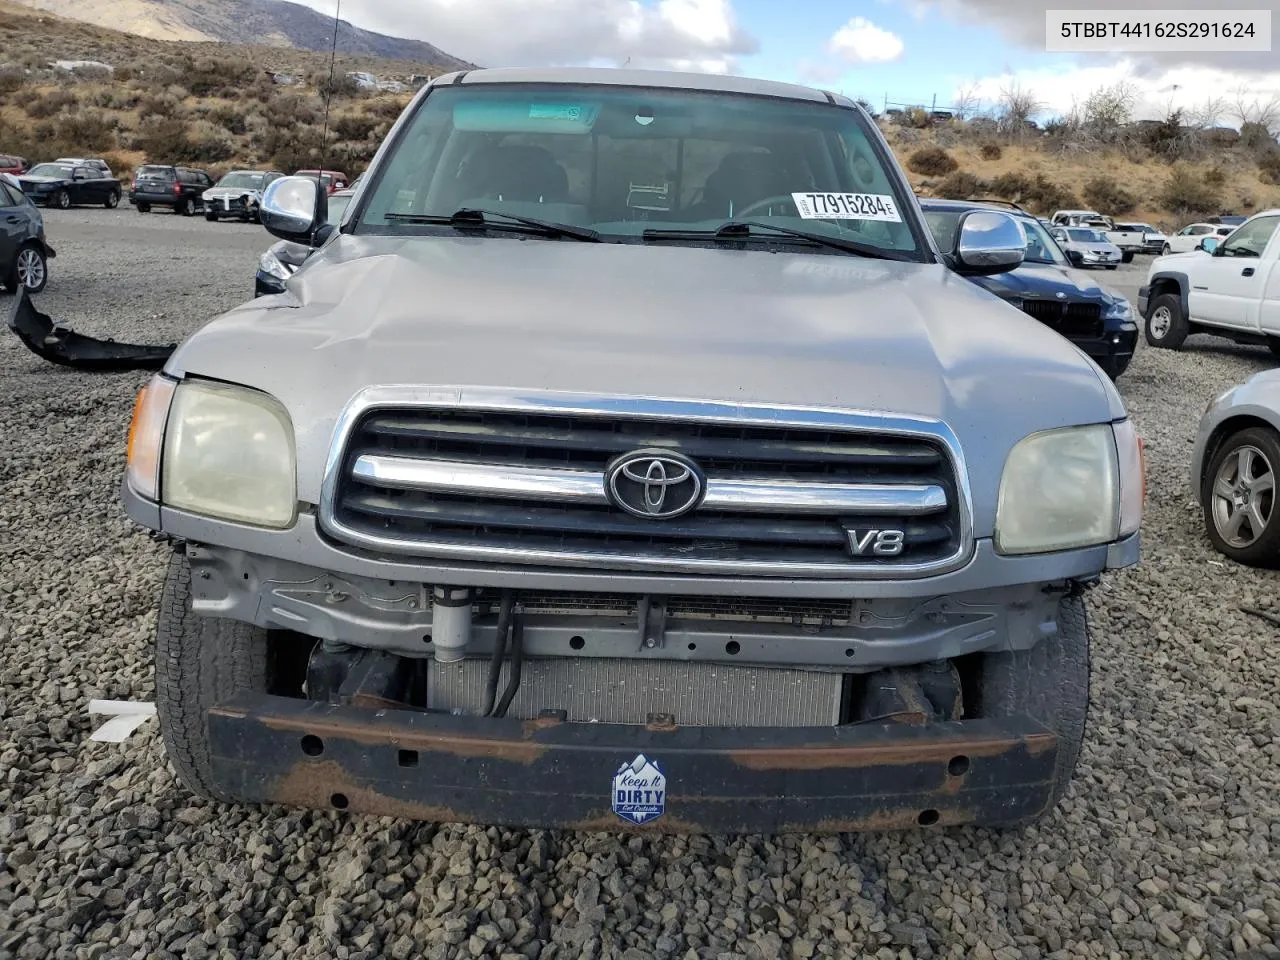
[1161,279]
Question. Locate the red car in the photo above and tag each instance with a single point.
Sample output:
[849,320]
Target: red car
[12,164]
[333,180]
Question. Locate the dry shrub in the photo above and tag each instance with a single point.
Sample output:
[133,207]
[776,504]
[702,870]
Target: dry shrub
[84,133]
[960,186]
[163,139]
[293,149]
[1269,166]
[1187,192]
[50,104]
[159,105]
[285,111]
[210,76]
[228,116]
[991,151]
[1011,186]
[386,109]
[354,127]
[932,162]
[1215,177]
[1105,195]
[209,143]
[11,80]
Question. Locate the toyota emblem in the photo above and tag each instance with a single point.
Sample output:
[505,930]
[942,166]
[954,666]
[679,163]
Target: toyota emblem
[654,484]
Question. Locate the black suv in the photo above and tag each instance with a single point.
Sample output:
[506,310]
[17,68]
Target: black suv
[182,188]
[1046,286]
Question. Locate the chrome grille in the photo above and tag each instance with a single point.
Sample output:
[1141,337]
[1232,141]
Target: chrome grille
[528,485]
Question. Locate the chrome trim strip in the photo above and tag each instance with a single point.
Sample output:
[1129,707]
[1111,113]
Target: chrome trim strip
[480,479]
[586,486]
[705,411]
[770,496]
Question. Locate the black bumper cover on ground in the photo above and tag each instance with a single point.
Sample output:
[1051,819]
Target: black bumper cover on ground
[65,347]
[553,774]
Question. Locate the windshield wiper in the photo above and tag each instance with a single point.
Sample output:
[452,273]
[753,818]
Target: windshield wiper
[471,217]
[741,229]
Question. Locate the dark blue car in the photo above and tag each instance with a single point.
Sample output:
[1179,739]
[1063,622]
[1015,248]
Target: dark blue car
[24,252]
[1046,286]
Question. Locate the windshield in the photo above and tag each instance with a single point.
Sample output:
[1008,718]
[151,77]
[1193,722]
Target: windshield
[50,170]
[1041,248]
[249,181]
[1085,236]
[624,160]
[337,207]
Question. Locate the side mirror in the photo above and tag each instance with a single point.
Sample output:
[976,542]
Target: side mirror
[292,208]
[988,242]
[1208,244]
[1076,257]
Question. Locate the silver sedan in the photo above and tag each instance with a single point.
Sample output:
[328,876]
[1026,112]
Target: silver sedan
[1233,470]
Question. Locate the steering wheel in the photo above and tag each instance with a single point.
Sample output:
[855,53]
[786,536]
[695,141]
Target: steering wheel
[767,203]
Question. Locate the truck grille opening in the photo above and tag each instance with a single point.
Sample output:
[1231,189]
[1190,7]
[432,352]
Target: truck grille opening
[1068,319]
[438,482]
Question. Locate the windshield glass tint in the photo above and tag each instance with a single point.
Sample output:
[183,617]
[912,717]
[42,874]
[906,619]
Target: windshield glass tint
[249,181]
[1085,236]
[50,170]
[623,160]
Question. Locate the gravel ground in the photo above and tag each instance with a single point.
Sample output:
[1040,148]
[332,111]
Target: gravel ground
[1168,844]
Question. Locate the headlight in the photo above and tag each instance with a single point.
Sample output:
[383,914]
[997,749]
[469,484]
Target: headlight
[1059,490]
[229,453]
[269,263]
[1120,310]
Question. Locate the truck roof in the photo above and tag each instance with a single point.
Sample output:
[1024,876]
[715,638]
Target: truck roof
[666,79]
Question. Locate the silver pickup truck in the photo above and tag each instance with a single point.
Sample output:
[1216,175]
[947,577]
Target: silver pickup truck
[630,456]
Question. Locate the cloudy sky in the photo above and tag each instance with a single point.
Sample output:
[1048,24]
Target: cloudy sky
[906,50]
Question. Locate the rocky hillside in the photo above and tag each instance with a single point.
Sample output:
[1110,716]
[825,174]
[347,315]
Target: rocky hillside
[254,22]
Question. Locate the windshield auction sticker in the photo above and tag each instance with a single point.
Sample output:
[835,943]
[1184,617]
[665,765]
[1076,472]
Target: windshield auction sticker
[847,206]
[1125,31]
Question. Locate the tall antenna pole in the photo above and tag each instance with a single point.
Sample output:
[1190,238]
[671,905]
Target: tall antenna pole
[328,100]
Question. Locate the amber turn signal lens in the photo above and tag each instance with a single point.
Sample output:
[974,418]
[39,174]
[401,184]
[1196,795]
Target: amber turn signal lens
[146,436]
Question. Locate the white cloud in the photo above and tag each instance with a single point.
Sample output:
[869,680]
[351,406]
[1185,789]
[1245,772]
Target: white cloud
[675,34]
[1189,87]
[861,41]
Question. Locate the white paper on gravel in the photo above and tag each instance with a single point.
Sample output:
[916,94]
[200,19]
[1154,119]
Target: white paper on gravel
[126,716]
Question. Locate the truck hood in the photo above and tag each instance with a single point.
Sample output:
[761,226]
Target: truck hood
[747,326]
[1176,261]
[1047,280]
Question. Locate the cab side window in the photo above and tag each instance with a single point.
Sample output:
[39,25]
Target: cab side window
[1251,239]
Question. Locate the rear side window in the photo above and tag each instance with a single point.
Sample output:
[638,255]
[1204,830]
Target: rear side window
[9,197]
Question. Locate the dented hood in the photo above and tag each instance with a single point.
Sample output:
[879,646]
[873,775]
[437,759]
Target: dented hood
[656,321]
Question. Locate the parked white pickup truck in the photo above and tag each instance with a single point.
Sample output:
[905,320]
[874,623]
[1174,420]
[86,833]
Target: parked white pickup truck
[1229,287]
[1129,237]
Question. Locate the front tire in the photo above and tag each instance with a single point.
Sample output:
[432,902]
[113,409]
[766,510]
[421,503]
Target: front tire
[1126,257]
[1050,683]
[1114,367]
[30,270]
[1238,495]
[62,200]
[1166,251]
[200,662]
[211,216]
[1166,324]
[112,201]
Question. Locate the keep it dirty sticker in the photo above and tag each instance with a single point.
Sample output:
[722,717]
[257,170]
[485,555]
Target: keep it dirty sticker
[847,206]
[639,791]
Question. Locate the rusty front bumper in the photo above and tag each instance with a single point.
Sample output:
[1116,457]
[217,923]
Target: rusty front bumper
[553,774]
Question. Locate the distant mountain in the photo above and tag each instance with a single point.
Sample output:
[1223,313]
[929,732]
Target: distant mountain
[272,22]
